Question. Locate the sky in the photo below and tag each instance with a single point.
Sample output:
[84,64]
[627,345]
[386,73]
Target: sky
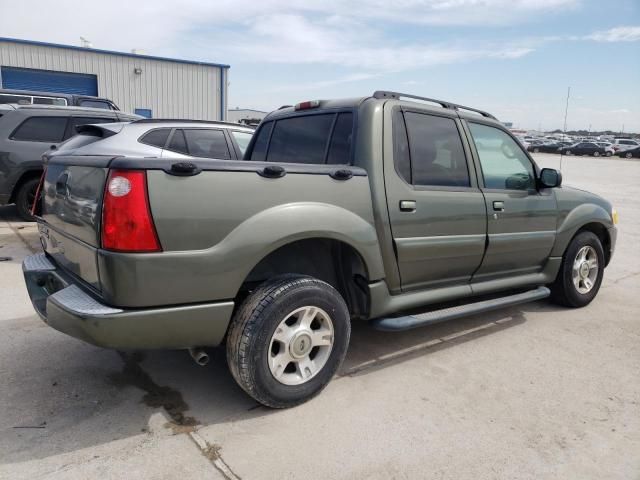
[513,58]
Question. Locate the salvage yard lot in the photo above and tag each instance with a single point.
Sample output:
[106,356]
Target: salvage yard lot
[534,391]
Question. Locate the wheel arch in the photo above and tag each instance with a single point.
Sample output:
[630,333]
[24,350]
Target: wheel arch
[34,172]
[335,261]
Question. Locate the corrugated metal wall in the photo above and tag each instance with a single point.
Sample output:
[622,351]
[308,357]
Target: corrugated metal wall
[169,89]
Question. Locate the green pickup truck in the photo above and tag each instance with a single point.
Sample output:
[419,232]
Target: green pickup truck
[358,209]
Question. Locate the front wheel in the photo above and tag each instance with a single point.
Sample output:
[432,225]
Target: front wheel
[608,154]
[596,154]
[568,153]
[581,272]
[628,155]
[287,340]
[536,150]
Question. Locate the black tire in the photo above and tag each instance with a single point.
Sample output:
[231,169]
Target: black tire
[568,153]
[628,155]
[253,325]
[608,154]
[596,154]
[536,150]
[563,291]
[25,197]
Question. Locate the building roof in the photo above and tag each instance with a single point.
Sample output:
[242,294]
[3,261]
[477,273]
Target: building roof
[110,52]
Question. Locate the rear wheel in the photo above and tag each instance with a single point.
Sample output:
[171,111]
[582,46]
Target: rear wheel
[596,154]
[568,152]
[608,154]
[536,150]
[287,340]
[628,155]
[25,197]
[581,272]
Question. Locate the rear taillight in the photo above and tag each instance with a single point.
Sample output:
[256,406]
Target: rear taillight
[127,225]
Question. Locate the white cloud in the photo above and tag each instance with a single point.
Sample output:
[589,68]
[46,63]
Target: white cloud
[617,34]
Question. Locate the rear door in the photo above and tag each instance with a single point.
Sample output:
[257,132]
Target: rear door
[521,221]
[436,209]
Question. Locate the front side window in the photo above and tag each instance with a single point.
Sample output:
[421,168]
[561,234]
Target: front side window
[504,164]
[208,143]
[436,151]
[242,139]
[41,129]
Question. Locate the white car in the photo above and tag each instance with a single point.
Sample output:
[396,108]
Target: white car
[620,144]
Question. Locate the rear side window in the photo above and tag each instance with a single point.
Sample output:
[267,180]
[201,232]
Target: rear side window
[300,139]
[437,155]
[41,129]
[207,143]
[156,138]
[178,143]
[49,101]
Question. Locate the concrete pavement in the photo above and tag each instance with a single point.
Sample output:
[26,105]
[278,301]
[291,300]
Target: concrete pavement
[534,391]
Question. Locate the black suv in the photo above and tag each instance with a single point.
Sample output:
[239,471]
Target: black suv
[28,97]
[28,131]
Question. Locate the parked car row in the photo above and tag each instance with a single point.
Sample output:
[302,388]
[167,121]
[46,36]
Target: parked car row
[595,149]
[27,131]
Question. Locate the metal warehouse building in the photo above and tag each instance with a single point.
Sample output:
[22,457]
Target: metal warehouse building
[150,86]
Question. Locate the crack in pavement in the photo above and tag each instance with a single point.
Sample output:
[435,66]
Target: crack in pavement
[171,401]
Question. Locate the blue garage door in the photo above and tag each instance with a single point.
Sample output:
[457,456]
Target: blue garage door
[48,81]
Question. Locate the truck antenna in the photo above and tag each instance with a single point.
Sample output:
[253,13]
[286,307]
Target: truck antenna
[564,130]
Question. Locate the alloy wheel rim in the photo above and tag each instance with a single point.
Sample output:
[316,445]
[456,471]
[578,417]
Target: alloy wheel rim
[585,269]
[300,345]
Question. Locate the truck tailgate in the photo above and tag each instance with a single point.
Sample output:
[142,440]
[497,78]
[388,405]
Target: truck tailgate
[70,222]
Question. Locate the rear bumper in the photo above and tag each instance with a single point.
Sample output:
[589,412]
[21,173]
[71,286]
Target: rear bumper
[66,306]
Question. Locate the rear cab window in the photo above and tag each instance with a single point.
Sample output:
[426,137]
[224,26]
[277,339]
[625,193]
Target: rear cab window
[318,138]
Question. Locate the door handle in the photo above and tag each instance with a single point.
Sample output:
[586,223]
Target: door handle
[407,205]
[498,206]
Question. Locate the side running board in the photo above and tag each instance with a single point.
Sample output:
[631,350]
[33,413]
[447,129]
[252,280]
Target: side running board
[408,322]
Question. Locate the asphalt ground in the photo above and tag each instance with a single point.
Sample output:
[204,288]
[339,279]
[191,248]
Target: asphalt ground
[530,392]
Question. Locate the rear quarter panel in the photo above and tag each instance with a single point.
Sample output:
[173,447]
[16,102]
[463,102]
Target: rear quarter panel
[216,226]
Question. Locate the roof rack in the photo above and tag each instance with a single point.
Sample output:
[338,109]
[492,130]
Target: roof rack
[442,103]
[182,120]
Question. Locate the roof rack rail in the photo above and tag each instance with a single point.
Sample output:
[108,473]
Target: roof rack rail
[182,120]
[442,103]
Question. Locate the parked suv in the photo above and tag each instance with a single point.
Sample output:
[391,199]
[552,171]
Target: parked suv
[161,138]
[621,144]
[28,97]
[373,209]
[26,132]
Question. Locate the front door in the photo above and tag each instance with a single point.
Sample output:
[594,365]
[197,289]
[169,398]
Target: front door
[521,220]
[436,210]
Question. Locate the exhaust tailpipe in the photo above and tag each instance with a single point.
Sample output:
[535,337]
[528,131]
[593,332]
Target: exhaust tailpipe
[199,356]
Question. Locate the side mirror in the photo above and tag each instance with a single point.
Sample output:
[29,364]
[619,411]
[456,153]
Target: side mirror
[550,178]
